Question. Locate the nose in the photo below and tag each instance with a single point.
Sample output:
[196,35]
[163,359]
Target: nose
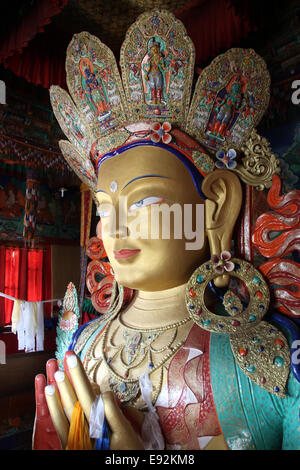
[121,232]
[118,225]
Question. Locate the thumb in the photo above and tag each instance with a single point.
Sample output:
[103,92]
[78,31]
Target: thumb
[113,413]
[123,436]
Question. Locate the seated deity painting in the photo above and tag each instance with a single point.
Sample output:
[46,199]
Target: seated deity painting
[190,350]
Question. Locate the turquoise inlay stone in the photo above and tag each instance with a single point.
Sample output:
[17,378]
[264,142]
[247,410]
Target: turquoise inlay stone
[256,279]
[123,387]
[256,340]
[252,318]
[200,278]
[278,361]
[206,322]
[250,368]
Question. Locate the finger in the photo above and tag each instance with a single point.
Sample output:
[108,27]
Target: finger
[44,436]
[66,369]
[66,392]
[40,399]
[113,413]
[82,385]
[51,368]
[57,414]
[135,417]
[95,388]
[123,435]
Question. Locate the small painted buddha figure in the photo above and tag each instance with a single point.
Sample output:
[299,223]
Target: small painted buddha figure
[154,69]
[182,357]
[226,107]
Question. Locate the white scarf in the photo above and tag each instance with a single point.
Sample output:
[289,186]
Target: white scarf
[29,325]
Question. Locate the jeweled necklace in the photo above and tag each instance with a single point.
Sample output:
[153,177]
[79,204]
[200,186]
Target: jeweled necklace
[138,348]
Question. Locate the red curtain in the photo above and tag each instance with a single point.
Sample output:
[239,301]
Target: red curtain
[35,275]
[31,24]
[12,263]
[47,281]
[29,54]
[213,26]
[25,275]
[2,283]
[40,64]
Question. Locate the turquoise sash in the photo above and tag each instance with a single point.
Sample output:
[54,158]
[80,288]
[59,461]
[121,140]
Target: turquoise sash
[249,416]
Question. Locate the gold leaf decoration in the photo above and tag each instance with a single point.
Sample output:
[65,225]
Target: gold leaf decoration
[263,354]
[259,164]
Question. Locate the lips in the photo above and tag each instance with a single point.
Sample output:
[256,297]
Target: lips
[125,253]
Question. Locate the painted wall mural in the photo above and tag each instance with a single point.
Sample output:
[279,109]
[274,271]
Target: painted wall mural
[57,217]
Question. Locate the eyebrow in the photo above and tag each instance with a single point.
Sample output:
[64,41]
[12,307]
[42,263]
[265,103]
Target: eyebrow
[134,179]
[143,176]
[101,191]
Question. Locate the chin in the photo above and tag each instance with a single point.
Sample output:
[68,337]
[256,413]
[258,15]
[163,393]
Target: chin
[148,282]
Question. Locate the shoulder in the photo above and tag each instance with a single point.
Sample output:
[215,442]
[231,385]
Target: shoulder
[85,333]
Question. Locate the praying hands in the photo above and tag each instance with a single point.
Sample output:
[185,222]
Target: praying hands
[65,406]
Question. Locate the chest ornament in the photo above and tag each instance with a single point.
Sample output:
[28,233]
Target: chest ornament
[150,349]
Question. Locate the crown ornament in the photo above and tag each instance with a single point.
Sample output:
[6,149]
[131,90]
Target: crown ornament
[150,99]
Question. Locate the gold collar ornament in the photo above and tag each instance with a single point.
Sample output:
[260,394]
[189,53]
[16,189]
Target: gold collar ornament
[260,349]
[137,349]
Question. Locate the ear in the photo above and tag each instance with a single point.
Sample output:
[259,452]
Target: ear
[224,198]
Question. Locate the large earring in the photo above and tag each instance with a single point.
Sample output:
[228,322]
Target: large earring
[260,349]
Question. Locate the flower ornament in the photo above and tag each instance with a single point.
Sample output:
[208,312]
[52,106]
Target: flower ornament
[222,263]
[226,160]
[160,132]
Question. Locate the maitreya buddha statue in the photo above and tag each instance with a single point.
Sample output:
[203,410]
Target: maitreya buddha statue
[182,357]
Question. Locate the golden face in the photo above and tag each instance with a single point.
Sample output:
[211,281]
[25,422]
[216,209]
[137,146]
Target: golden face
[155,50]
[141,193]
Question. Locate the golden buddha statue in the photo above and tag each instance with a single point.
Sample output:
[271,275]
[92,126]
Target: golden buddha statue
[166,370]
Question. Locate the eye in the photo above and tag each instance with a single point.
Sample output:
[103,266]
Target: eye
[103,211]
[147,201]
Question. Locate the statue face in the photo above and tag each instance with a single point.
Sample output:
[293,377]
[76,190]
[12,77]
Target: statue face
[148,249]
[155,50]
[236,88]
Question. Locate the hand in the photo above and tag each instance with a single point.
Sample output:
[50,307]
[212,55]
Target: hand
[44,433]
[64,391]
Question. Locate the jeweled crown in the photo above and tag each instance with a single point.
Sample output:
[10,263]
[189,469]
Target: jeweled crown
[152,101]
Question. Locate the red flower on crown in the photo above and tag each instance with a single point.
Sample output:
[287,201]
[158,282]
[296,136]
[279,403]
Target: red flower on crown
[160,132]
